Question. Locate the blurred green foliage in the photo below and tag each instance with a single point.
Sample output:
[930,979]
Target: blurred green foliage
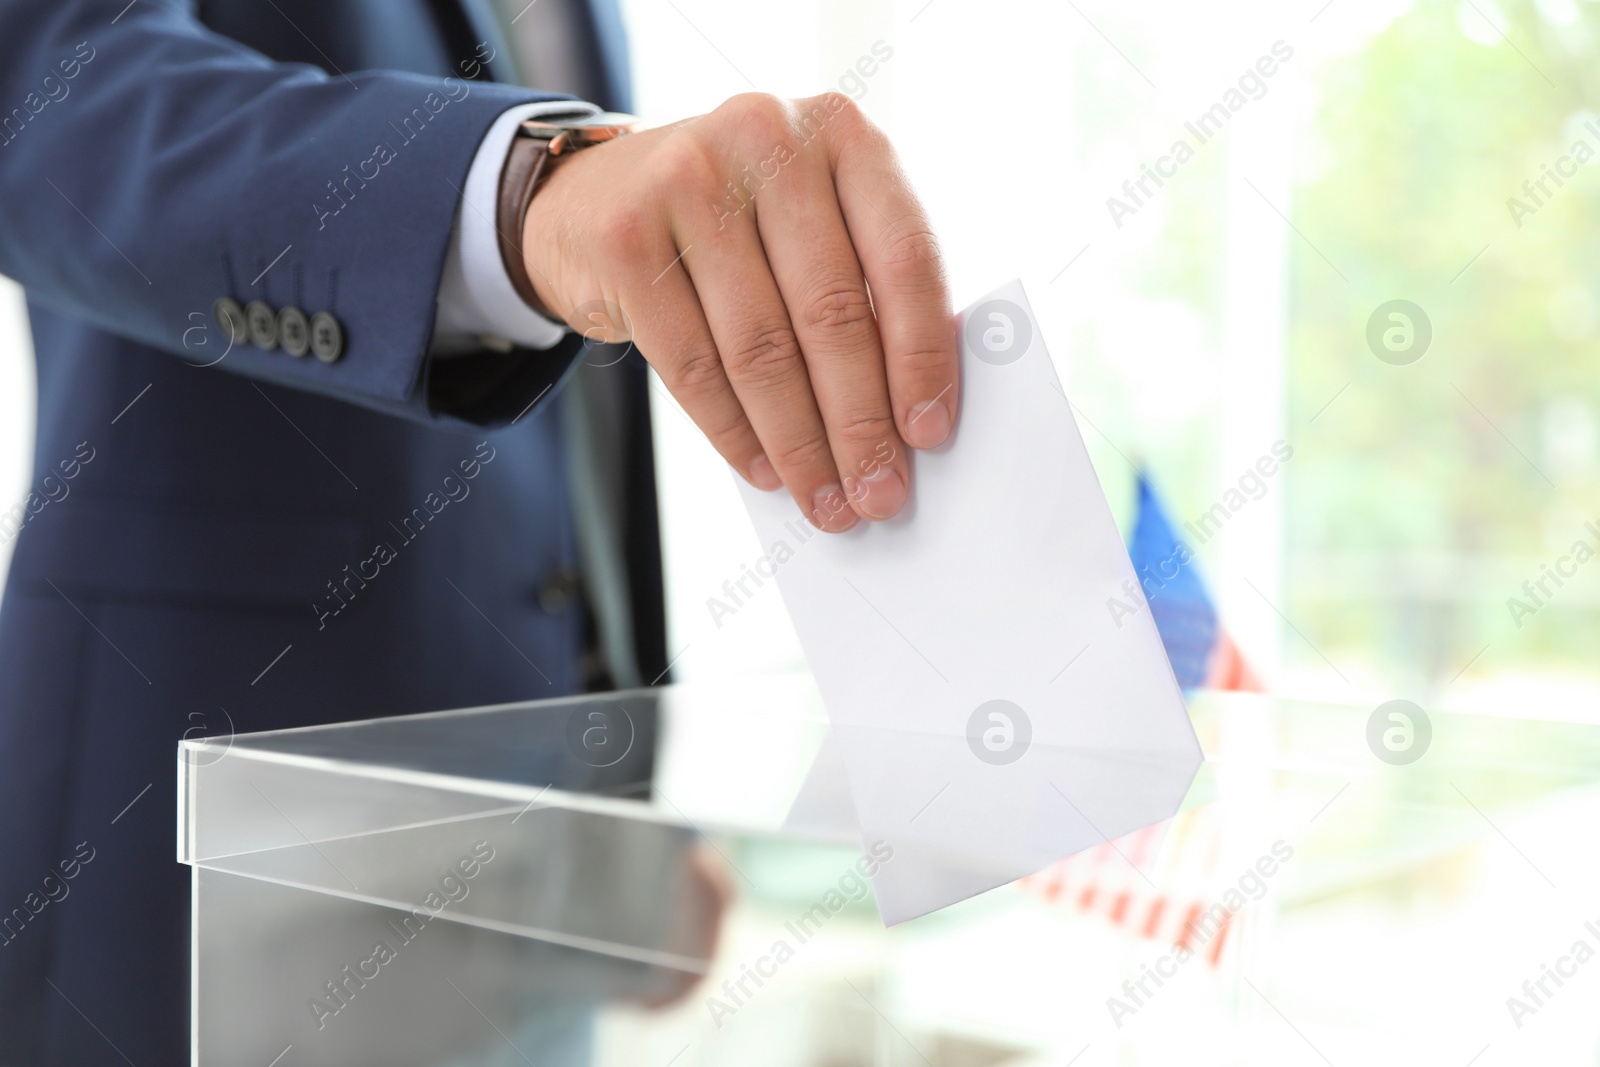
[1424,495]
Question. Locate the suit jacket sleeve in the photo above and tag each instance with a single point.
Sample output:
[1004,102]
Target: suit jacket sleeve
[150,167]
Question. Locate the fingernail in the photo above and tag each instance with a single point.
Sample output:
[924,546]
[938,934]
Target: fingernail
[762,476]
[830,510]
[883,493]
[928,425]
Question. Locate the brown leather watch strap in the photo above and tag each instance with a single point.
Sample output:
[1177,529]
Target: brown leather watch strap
[527,165]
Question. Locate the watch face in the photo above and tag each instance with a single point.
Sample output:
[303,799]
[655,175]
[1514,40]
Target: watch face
[582,130]
[608,118]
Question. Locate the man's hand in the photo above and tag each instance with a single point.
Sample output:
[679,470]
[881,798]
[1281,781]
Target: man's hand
[772,264]
[701,904]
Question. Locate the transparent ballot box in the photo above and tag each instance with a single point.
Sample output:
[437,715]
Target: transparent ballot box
[626,879]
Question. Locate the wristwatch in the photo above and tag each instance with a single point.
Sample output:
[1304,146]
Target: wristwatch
[528,164]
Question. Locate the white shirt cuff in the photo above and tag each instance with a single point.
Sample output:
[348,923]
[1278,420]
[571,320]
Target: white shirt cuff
[477,305]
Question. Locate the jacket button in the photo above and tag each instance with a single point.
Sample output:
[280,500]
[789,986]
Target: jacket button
[230,320]
[327,337]
[294,331]
[263,324]
[557,591]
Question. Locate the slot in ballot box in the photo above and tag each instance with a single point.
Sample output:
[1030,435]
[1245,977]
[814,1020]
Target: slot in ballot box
[628,879]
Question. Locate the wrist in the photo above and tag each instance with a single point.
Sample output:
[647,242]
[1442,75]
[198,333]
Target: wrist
[533,156]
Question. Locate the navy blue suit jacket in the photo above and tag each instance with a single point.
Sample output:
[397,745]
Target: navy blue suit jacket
[261,541]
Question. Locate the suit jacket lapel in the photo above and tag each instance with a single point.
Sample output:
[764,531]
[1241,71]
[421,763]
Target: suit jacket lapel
[607,38]
[611,46]
[484,23]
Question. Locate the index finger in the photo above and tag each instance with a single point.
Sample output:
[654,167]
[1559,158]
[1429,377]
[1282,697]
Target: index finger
[905,272]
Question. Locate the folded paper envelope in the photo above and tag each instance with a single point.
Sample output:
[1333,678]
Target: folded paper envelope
[993,714]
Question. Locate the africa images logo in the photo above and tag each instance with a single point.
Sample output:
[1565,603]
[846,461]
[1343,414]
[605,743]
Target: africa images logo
[999,332]
[999,732]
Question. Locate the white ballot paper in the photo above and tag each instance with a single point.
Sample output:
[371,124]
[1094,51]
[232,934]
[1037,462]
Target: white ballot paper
[991,711]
